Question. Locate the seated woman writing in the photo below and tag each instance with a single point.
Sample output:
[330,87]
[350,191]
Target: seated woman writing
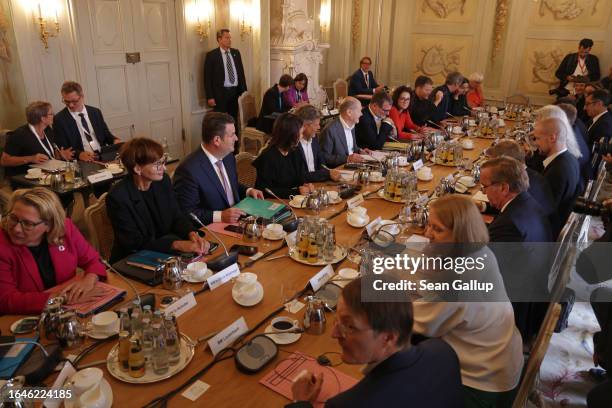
[280,166]
[143,208]
[39,249]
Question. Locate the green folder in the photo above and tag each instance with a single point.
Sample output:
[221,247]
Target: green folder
[259,208]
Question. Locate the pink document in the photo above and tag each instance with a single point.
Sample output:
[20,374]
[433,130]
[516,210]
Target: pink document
[281,377]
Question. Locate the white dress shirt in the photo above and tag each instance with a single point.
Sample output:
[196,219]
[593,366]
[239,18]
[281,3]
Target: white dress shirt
[95,145]
[550,158]
[581,70]
[224,57]
[307,148]
[348,134]
[377,120]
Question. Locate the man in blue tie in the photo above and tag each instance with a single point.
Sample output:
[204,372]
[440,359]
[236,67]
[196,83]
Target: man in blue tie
[81,127]
[206,181]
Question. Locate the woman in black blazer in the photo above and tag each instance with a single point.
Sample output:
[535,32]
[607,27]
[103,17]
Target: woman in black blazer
[33,142]
[280,166]
[143,209]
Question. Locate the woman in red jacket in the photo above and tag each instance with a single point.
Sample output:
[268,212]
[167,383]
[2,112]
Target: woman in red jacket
[401,116]
[39,249]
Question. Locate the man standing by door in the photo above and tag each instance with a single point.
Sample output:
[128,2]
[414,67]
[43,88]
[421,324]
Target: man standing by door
[224,78]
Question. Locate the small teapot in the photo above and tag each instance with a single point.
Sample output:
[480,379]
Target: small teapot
[14,386]
[313,202]
[70,332]
[50,318]
[323,197]
[172,272]
[362,176]
[56,180]
[251,230]
[419,215]
[314,317]
[476,173]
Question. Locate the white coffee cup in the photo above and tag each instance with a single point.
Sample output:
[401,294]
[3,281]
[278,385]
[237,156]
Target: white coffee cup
[105,322]
[284,326]
[472,122]
[356,219]
[333,195]
[274,229]
[197,270]
[424,173]
[297,199]
[246,286]
[35,172]
[457,129]
[389,226]
[467,144]
[348,273]
[93,398]
[86,379]
[375,175]
[362,211]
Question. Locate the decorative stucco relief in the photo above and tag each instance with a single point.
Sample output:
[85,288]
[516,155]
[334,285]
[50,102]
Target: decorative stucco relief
[443,8]
[501,20]
[545,64]
[436,60]
[567,9]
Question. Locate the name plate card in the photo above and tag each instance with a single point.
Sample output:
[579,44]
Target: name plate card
[355,201]
[321,277]
[181,305]
[100,176]
[227,336]
[371,227]
[417,164]
[223,276]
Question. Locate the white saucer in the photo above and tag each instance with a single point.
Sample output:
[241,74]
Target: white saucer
[106,390]
[266,235]
[188,278]
[296,205]
[16,323]
[367,220]
[338,201]
[99,335]
[377,179]
[288,338]
[253,301]
[115,170]
[425,178]
[31,177]
[467,181]
[467,148]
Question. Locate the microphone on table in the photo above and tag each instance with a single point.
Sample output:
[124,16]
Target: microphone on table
[222,261]
[292,225]
[439,127]
[454,117]
[126,280]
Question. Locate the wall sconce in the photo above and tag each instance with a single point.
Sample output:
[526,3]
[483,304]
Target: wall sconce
[325,15]
[200,12]
[46,17]
[242,11]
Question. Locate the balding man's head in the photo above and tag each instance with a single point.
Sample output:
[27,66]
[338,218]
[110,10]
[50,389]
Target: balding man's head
[509,148]
[350,110]
[550,135]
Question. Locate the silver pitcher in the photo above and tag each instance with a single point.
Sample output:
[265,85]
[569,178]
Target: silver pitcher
[362,176]
[70,332]
[419,215]
[314,317]
[323,197]
[251,230]
[56,180]
[312,202]
[14,385]
[172,272]
[50,318]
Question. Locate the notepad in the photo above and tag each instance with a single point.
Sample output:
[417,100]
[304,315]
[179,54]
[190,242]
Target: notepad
[259,208]
[109,295]
[15,357]
[146,259]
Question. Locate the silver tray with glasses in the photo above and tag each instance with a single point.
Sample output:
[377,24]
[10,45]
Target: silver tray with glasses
[187,352]
[339,254]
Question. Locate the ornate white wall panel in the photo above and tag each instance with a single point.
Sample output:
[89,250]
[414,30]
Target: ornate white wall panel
[155,19]
[159,85]
[112,90]
[106,28]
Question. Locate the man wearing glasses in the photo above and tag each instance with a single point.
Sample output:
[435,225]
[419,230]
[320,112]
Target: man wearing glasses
[81,127]
[373,127]
[362,84]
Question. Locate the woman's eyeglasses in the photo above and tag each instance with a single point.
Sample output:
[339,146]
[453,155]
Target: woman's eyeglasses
[13,220]
[161,162]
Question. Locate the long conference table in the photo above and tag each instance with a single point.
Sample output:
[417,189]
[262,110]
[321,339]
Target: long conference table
[216,309]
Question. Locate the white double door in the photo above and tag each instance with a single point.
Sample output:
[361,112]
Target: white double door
[136,98]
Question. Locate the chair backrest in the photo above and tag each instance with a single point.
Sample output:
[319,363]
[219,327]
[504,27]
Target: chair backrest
[537,355]
[518,99]
[340,89]
[101,233]
[246,109]
[246,172]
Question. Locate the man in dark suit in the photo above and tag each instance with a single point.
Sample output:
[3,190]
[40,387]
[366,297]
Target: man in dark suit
[206,181]
[600,126]
[561,169]
[272,103]
[422,109]
[538,187]
[444,94]
[310,149]
[81,127]
[372,130]
[577,64]
[224,79]
[338,140]
[579,129]
[362,82]
[397,374]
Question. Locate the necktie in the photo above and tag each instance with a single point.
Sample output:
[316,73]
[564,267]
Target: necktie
[299,96]
[367,80]
[228,190]
[86,130]
[230,68]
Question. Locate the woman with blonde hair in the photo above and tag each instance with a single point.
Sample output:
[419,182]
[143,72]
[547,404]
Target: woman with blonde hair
[475,97]
[482,333]
[39,249]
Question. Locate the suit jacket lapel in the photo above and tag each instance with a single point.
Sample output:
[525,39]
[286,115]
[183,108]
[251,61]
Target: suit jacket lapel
[30,265]
[140,208]
[210,172]
[343,137]
[73,129]
[230,171]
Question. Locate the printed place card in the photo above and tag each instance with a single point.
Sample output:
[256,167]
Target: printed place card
[223,276]
[100,176]
[371,227]
[196,390]
[355,201]
[417,164]
[227,336]
[181,305]
[321,277]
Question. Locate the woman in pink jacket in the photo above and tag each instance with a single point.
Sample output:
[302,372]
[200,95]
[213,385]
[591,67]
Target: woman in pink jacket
[39,249]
